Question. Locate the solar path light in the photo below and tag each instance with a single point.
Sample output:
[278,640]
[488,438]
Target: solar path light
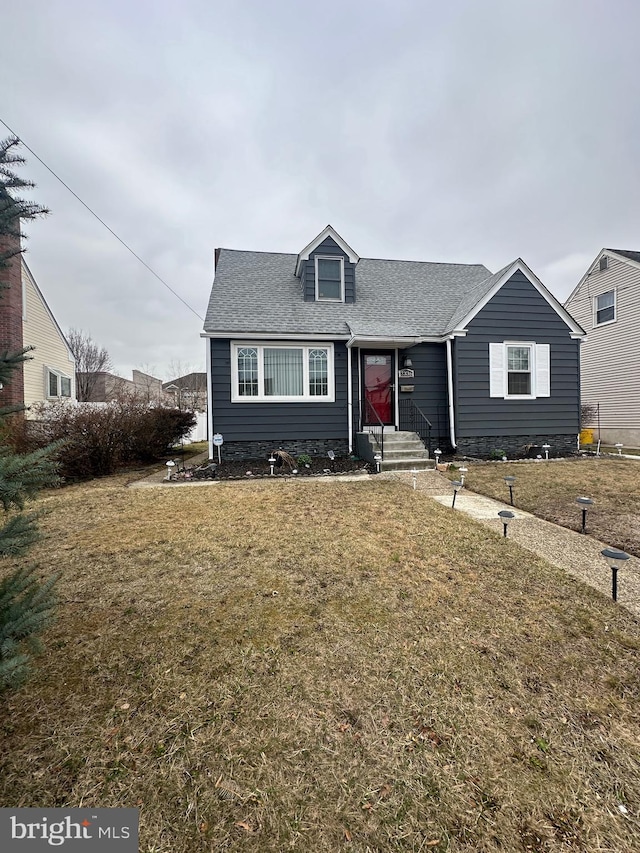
[170,466]
[616,560]
[437,453]
[505,516]
[546,448]
[619,446]
[272,462]
[377,459]
[584,504]
[457,485]
[414,477]
[510,481]
[463,471]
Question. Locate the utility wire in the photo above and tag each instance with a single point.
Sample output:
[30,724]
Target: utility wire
[101,221]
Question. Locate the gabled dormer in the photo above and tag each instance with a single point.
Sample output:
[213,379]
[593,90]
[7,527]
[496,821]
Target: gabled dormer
[327,269]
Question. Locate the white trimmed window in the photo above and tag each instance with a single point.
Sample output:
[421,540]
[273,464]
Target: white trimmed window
[605,308]
[56,383]
[279,373]
[519,370]
[329,279]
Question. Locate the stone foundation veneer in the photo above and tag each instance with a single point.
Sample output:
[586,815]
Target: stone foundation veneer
[515,445]
[263,449]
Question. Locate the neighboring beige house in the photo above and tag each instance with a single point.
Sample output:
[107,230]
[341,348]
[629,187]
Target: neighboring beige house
[606,303]
[49,373]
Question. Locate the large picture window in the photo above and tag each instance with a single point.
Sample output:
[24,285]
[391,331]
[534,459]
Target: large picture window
[281,373]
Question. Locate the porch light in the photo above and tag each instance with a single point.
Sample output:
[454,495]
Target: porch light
[463,471]
[546,448]
[377,459]
[619,446]
[457,485]
[406,362]
[170,466]
[505,516]
[272,462]
[584,504]
[616,560]
[414,477]
[510,480]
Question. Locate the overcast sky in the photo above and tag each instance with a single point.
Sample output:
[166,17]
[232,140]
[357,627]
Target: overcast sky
[463,131]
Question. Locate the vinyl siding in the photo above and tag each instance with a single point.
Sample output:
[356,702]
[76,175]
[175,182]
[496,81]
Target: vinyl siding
[276,421]
[610,356]
[40,331]
[308,273]
[517,312]
[429,363]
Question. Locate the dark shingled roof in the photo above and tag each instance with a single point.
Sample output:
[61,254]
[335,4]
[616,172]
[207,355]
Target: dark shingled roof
[626,253]
[257,293]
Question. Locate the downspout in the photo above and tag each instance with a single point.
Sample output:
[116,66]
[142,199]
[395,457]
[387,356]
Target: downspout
[349,400]
[209,397]
[452,423]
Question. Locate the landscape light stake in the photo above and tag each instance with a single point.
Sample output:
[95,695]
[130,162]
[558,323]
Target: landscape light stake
[272,462]
[616,560]
[414,477]
[585,503]
[510,481]
[505,515]
[546,448]
[457,485]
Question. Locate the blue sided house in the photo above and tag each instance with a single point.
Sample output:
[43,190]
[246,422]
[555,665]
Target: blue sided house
[325,350]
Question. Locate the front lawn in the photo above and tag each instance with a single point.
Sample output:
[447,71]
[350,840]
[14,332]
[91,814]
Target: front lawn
[549,490]
[323,666]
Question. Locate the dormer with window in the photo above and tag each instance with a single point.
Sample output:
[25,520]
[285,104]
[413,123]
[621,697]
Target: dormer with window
[327,269]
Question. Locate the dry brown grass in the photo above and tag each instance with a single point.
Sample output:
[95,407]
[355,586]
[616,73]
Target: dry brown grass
[323,666]
[549,490]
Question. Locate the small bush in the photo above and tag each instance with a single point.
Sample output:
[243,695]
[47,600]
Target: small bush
[98,440]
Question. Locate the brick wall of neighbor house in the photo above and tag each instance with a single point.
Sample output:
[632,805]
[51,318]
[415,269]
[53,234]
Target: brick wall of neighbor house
[11,338]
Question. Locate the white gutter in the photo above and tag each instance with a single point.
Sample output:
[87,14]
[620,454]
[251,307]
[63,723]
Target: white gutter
[349,401]
[452,424]
[207,348]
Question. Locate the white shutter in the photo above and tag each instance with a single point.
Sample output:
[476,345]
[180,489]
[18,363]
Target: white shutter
[496,370]
[543,371]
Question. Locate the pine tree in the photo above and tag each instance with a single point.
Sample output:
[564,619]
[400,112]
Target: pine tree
[26,603]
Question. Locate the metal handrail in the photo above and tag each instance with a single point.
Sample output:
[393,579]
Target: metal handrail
[411,415]
[373,430]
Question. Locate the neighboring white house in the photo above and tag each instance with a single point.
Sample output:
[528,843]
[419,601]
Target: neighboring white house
[606,303]
[49,373]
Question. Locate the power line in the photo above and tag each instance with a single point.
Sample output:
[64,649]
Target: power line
[102,222]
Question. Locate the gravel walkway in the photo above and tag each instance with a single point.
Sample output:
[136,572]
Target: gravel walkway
[577,554]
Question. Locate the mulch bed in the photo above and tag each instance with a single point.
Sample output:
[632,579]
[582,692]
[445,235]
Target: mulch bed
[231,469]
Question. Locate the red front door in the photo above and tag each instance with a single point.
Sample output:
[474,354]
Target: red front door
[378,388]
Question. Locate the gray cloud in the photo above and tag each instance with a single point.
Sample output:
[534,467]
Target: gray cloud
[463,131]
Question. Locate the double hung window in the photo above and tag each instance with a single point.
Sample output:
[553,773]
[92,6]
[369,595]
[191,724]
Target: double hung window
[605,307]
[329,279]
[519,370]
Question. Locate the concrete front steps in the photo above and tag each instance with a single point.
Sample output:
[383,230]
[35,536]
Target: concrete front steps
[403,451]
